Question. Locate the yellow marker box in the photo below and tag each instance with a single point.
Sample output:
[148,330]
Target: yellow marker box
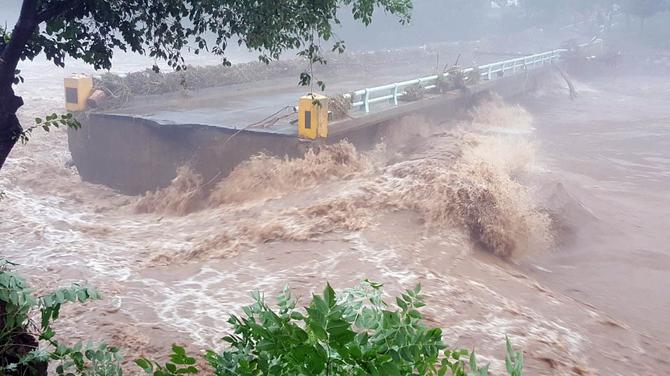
[77,89]
[313,116]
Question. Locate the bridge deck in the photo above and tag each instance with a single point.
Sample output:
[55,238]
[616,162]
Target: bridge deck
[239,106]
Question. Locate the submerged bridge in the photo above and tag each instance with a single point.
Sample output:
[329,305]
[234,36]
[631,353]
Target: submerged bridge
[140,147]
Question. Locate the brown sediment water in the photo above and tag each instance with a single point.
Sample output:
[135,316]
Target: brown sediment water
[606,157]
[517,219]
[453,178]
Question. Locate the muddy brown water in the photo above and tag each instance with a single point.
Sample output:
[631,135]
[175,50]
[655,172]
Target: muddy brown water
[576,191]
[610,152]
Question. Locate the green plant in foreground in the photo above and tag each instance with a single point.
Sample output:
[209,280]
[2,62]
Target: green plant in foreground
[353,333]
[180,364]
[21,354]
[513,359]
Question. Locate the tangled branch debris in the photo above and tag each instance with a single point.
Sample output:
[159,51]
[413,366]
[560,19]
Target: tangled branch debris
[413,93]
[339,106]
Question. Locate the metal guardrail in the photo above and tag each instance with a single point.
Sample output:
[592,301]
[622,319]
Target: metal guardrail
[362,99]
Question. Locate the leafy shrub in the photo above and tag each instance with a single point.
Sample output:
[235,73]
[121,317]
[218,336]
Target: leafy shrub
[21,354]
[355,333]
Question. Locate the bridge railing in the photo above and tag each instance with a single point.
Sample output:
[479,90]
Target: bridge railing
[392,93]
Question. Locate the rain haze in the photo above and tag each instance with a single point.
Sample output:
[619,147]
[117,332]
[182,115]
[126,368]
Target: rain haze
[178,163]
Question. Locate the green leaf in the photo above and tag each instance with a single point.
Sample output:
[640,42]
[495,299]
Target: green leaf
[145,365]
[414,314]
[390,369]
[329,295]
[59,297]
[47,333]
[374,285]
[318,331]
[179,350]
[508,345]
[297,316]
[171,367]
[90,355]
[189,370]
[48,301]
[473,361]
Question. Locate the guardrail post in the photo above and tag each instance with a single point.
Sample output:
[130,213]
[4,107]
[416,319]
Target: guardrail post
[489,73]
[395,94]
[366,99]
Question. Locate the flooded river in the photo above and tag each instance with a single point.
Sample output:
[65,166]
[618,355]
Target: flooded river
[545,220]
[610,152]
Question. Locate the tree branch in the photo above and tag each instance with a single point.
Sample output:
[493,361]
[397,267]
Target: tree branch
[55,9]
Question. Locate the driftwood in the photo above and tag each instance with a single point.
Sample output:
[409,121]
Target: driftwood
[96,99]
[571,87]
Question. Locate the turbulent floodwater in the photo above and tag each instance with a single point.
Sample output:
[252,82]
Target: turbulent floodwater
[573,194]
[609,152]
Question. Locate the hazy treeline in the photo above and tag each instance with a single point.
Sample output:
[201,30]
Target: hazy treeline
[452,20]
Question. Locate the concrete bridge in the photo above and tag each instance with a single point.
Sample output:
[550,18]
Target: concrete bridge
[139,148]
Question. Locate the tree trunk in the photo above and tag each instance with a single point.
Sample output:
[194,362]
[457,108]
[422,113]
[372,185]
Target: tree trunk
[10,128]
[10,54]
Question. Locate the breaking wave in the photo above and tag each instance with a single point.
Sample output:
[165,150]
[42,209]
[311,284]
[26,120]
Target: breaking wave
[466,176]
[184,195]
[266,176]
[261,177]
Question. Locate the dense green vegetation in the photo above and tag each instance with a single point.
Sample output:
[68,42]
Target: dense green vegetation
[20,352]
[351,333]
